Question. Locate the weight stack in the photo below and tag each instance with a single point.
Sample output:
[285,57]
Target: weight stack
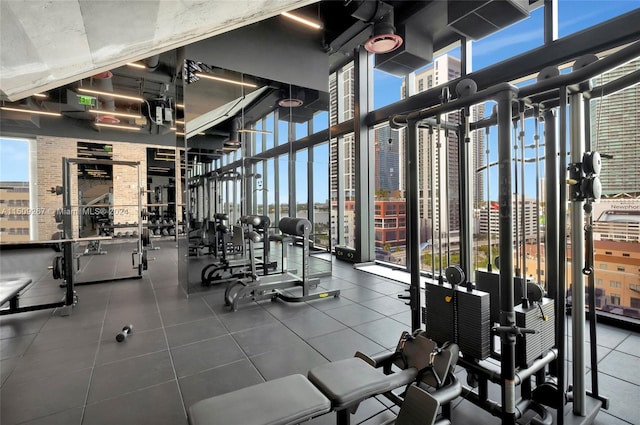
[474,323]
[533,346]
[440,314]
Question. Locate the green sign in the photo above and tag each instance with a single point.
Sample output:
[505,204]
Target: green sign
[86,100]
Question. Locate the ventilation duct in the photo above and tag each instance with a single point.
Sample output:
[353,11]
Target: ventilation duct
[380,14]
[152,62]
[477,19]
[292,98]
[415,52]
[234,135]
[104,82]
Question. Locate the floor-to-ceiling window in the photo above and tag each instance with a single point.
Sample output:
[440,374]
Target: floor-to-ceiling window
[301,183]
[321,210]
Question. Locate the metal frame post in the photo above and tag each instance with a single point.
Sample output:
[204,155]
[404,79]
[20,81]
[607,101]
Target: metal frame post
[413,223]
[364,190]
[507,313]
[577,255]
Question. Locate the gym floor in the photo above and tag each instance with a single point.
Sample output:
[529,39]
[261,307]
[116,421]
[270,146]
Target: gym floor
[70,370]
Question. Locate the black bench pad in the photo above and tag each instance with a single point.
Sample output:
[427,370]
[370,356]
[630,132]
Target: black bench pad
[9,288]
[282,401]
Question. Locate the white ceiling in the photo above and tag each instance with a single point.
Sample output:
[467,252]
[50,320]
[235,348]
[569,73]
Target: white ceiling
[46,44]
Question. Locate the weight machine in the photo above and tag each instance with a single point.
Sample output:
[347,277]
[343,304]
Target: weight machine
[272,286]
[532,334]
[68,265]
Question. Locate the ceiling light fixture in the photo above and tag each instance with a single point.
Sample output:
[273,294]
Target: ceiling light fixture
[115,114]
[136,65]
[251,130]
[39,95]
[119,127]
[290,103]
[103,93]
[179,122]
[302,20]
[180,105]
[225,80]
[31,111]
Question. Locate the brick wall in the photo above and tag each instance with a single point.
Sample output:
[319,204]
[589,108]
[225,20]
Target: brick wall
[126,186]
[49,154]
[50,151]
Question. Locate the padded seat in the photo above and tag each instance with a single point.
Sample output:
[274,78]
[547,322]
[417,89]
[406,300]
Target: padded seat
[282,401]
[348,382]
[10,288]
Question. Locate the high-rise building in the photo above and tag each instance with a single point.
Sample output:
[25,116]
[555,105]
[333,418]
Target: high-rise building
[14,211]
[387,159]
[489,219]
[614,130]
[438,181]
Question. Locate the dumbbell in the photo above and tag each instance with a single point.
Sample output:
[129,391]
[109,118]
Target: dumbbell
[125,332]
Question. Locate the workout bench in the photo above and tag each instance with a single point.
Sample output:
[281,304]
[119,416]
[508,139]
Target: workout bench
[341,386]
[10,291]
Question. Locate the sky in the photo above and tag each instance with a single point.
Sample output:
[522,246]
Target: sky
[14,160]
[574,15]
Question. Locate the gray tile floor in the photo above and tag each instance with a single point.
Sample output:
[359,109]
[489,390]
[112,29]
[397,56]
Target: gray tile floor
[70,370]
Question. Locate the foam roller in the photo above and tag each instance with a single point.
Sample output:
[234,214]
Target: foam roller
[254,237]
[265,222]
[294,226]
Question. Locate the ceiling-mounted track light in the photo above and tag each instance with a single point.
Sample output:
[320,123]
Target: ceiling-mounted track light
[107,94]
[137,65]
[224,80]
[115,114]
[31,111]
[304,21]
[253,130]
[118,127]
[384,39]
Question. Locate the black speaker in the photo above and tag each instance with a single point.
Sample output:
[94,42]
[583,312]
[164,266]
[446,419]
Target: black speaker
[345,253]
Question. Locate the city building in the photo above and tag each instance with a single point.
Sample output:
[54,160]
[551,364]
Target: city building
[614,133]
[15,212]
[387,159]
[489,219]
[439,155]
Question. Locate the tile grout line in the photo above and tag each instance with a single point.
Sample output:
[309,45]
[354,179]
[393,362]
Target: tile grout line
[166,340]
[95,357]
[234,340]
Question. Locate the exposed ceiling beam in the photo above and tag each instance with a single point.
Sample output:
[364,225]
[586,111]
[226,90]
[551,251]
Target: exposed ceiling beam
[45,45]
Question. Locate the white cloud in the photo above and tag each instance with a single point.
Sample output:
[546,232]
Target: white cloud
[490,45]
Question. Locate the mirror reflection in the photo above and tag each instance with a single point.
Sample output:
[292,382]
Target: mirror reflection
[253,174]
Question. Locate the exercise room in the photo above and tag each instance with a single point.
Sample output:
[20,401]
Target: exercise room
[357,212]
